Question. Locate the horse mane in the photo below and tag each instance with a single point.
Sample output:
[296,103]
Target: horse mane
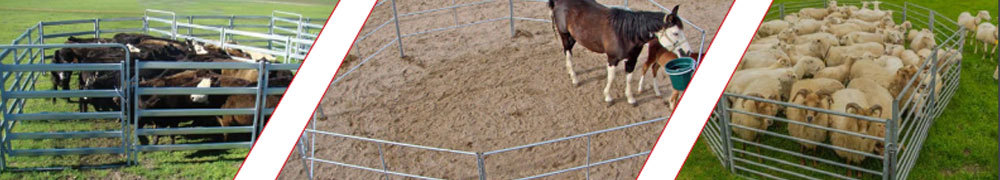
[636,26]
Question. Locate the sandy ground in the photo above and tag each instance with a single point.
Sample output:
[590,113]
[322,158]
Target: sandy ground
[479,89]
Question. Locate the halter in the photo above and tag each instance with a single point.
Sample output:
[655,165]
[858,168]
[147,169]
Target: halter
[675,46]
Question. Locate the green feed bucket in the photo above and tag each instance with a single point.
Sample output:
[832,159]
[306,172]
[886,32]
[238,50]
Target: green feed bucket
[680,71]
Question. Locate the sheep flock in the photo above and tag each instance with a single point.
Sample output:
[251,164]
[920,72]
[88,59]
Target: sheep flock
[847,59]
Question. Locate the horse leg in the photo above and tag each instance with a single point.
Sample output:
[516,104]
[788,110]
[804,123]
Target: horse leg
[568,42]
[656,87]
[650,61]
[569,68]
[629,68]
[607,88]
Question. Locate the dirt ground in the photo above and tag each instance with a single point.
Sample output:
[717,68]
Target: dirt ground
[479,89]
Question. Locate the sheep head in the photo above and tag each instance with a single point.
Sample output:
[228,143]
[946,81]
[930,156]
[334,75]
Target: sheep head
[903,76]
[764,108]
[807,66]
[984,15]
[820,99]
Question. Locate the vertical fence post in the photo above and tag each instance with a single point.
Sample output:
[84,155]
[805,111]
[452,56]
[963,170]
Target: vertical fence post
[3,122]
[480,161]
[588,157]
[510,4]
[626,7]
[781,10]
[123,94]
[889,161]
[726,134]
[261,85]
[270,31]
[288,49]
[190,29]
[173,27]
[222,38]
[454,12]
[312,146]
[930,21]
[97,28]
[399,36]
[381,156]
[905,9]
[135,112]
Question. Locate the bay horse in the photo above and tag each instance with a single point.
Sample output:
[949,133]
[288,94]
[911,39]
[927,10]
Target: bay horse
[618,33]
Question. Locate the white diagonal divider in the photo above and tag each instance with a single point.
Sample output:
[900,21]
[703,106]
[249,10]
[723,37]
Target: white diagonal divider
[710,79]
[269,154]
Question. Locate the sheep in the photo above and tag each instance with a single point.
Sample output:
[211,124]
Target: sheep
[744,78]
[862,37]
[840,72]
[837,55]
[966,20]
[890,63]
[851,101]
[865,25]
[767,88]
[773,27]
[807,26]
[986,33]
[923,41]
[812,93]
[789,36]
[866,68]
[869,15]
[764,58]
[814,13]
[843,29]
[909,57]
[791,18]
[913,33]
[894,50]
[806,66]
[813,49]
[761,46]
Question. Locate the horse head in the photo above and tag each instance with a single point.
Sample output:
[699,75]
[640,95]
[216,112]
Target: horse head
[672,37]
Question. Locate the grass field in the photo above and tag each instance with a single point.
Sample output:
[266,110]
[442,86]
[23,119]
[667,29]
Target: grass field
[16,16]
[961,143]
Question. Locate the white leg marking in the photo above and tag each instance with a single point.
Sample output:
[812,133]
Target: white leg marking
[656,87]
[628,88]
[569,68]
[639,87]
[607,88]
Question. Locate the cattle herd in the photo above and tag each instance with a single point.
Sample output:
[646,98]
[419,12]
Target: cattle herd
[148,48]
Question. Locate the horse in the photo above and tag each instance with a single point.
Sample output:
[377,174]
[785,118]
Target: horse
[656,57]
[618,33]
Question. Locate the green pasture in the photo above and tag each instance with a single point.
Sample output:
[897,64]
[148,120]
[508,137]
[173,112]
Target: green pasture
[962,142]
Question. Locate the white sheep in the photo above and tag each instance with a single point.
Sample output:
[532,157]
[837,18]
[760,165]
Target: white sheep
[812,49]
[765,58]
[862,37]
[812,93]
[966,20]
[743,78]
[910,57]
[987,34]
[766,88]
[876,95]
[837,55]
[772,27]
[894,49]
[813,13]
[807,26]
[870,15]
[840,72]
[866,68]
[789,36]
[843,29]
[890,63]
[923,41]
[851,101]
[865,25]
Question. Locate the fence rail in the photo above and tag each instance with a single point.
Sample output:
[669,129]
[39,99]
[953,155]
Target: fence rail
[905,130]
[307,142]
[25,61]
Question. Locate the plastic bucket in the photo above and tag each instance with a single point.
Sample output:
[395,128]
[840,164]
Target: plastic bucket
[680,71]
